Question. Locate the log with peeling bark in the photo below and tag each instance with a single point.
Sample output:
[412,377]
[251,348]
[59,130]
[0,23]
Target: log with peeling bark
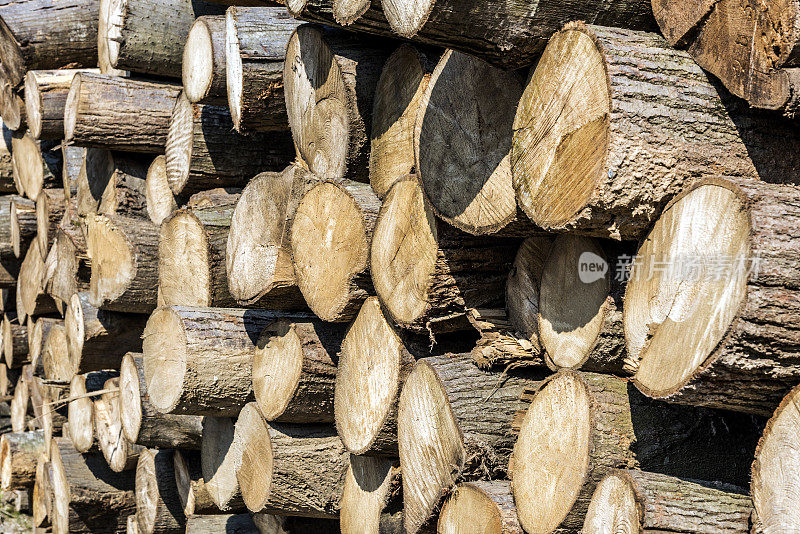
[258,253]
[38,164]
[120,454]
[31,296]
[142,424]
[330,238]
[221,458]
[398,96]
[374,362]
[203,64]
[198,361]
[462,140]
[428,274]
[51,204]
[294,370]
[45,96]
[124,252]
[19,453]
[302,474]
[112,183]
[118,113]
[580,425]
[87,496]
[500,346]
[371,498]
[203,153]
[255,44]
[725,266]
[194,496]
[23,226]
[147,37]
[329,79]
[15,341]
[574,171]
[775,470]
[158,507]
[98,339]
[38,34]
[485,506]
[191,255]
[73,266]
[80,412]
[639,501]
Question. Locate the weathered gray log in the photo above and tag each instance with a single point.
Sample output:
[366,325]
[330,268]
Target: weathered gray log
[45,97]
[203,65]
[19,453]
[112,183]
[158,506]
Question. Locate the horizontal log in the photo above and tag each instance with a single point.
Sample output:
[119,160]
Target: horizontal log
[211,524]
[45,97]
[19,453]
[158,508]
[112,183]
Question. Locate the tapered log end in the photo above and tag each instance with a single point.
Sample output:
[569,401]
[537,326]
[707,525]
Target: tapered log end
[407,17]
[184,276]
[12,108]
[59,516]
[346,12]
[80,415]
[704,225]
[6,341]
[130,398]
[198,62]
[33,105]
[255,474]
[613,508]
[164,349]
[776,470]
[178,152]
[221,460]
[160,199]
[404,252]
[113,265]
[558,156]
[117,13]
[296,7]
[367,378]
[75,330]
[551,455]
[432,450]
[233,67]
[330,247]
[42,499]
[523,285]
[471,189]
[71,108]
[368,485]
[277,365]
[42,221]
[321,129]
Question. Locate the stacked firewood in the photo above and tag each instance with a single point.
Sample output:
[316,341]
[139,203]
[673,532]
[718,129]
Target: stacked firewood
[400,266]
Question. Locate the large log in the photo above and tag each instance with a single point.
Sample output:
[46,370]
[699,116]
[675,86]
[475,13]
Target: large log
[142,424]
[124,252]
[98,339]
[732,301]
[258,252]
[194,496]
[428,274]
[80,411]
[255,44]
[220,459]
[329,79]
[158,506]
[45,97]
[371,496]
[203,153]
[73,266]
[330,238]
[118,113]
[639,501]
[203,64]
[575,170]
[51,34]
[462,142]
[487,507]
[147,37]
[198,361]
[19,453]
[38,164]
[289,469]
[294,370]
[112,183]
[14,341]
[87,496]
[120,454]
[375,360]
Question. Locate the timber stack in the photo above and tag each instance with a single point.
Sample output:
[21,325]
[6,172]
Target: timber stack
[399,266]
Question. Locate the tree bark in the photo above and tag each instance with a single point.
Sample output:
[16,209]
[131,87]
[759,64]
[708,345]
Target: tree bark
[501,346]
[38,164]
[73,266]
[307,469]
[258,253]
[73,157]
[329,79]
[294,370]
[747,283]
[487,506]
[203,65]
[212,524]
[202,152]
[15,341]
[80,409]
[147,36]
[124,253]
[120,454]
[221,458]
[371,495]
[87,496]
[51,205]
[198,361]
[256,40]
[45,97]
[574,171]
[113,183]
[119,113]
[427,274]
[19,453]
[39,34]
[654,502]
[195,498]
[158,506]
[142,424]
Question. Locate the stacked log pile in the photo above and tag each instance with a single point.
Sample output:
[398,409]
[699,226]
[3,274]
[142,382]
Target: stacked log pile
[399,266]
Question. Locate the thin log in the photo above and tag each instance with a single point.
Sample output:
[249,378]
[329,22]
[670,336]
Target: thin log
[161,202]
[158,507]
[73,157]
[23,227]
[203,65]
[31,296]
[132,525]
[371,497]
[80,411]
[19,453]
[45,96]
[486,506]
[38,164]
[12,108]
[120,454]
[15,341]
[73,265]
[38,332]
[50,208]
[221,458]
[42,497]
[20,404]
[112,183]
[55,356]
[194,496]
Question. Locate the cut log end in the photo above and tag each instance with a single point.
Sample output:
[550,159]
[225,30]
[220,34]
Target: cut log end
[55,358]
[233,68]
[113,264]
[80,415]
[221,459]
[346,12]
[662,305]
[115,22]
[184,480]
[198,62]
[130,398]
[119,454]
[523,285]
[71,108]
[183,271]
[29,163]
[160,199]
[33,105]
[613,507]
[75,330]
[165,347]
[406,17]
[148,497]
[558,157]
[277,365]
[367,378]
[178,154]
[255,474]
[330,246]
[485,507]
